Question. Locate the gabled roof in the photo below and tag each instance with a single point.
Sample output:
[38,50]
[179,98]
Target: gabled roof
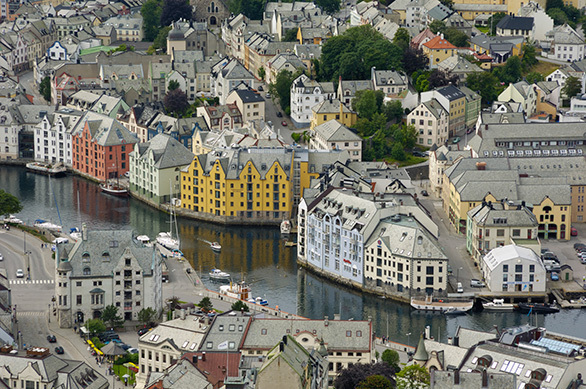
[439,43]
[510,22]
[334,131]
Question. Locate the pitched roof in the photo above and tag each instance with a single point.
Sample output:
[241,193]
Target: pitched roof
[167,152]
[510,22]
[439,43]
[334,131]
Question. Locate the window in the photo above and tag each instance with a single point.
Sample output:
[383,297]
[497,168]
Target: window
[518,268]
[78,299]
[505,268]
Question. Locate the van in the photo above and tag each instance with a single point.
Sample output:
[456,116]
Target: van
[460,289]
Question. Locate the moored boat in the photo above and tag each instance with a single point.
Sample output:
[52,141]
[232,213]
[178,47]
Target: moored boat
[441,305]
[39,223]
[239,290]
[453,311]
[114,189]
[285,227]
[216,246]
[538,307]
[145,240]
[166,240]
[217,274]
[56,170]
[498,305]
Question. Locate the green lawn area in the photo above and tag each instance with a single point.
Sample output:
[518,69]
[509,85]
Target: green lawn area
[544,68]
[120,370]
[411,160]
[483,29]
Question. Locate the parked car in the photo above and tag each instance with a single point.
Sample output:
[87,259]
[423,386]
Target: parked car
[552,268]
[460,288]
[424,193]
[59,350]
[260,88]
[418,153]
[19,273]
[456,140]
[143,331]
[579,246]
[470,131]
[546,250]
[573,231]
[132,350]
[284,123]
[550,257]
[268,95]
[125,346]
[1,257]
[555,276]
[279,114]
[51,339]
[477,283]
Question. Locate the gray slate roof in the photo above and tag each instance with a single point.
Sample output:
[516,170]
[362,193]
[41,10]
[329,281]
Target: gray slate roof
[334,131]
[515,23]
[167,152]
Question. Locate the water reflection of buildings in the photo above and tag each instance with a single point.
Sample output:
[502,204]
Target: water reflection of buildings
[93,204]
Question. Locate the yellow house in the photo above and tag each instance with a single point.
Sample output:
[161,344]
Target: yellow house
[332,110]
[437,50]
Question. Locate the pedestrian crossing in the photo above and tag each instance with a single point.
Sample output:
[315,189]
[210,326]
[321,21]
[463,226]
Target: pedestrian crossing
[31,313]
[29,282]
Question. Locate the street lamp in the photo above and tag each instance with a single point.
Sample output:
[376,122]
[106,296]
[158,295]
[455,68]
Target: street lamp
[408,339]
[458,274]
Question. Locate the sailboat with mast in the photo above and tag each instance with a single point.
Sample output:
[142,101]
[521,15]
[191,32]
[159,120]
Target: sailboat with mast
[114,188]
[165,238]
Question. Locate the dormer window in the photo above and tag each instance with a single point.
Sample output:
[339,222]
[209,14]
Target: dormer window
[85,257]
[87,271]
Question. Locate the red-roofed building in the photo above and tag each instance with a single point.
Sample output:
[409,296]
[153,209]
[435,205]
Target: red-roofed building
[421,38]
[485,60]
[215,365]
[438,49]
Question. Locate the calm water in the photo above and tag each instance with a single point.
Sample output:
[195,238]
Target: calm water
[257,254]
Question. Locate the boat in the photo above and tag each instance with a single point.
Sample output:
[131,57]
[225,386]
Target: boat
[56,170]
[176,253]
[498,305]
[74,233]
[218,275]
[114,189]
[216,246]
[538,307]
[145,240]
[166,240]
[285,227]
[239,290]
[261,301]
[13,220]
[290,244]
[39,223]
[441,305]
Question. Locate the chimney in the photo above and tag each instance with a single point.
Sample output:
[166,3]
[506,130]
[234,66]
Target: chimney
[427,332]
[194,359]
[83,231]
[457,377]
[281,347]
[182,314]
[484,379]
[203,356]
[480,165]
[337,316]
[285,339]
[326,321]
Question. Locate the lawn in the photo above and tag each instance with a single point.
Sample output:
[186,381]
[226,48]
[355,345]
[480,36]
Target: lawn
[483,29]
[120,370]
[544,68]
[411,160]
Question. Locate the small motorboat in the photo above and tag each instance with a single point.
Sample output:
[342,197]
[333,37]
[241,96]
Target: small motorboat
[285,227]
[239,290]
[217,274]
[498,305]
[453,311]
[39,223]
[166,240]
[75,233]
[258,301]
[145,240]
[114,189]
[176,253]
[216,246]
[440,304]
[13,219]
[56,170]
[538,307]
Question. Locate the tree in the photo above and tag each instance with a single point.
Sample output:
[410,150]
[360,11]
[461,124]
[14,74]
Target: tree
[45,88]
[147,316]
[439,78]
[95,326]
[402,38]
[437,26]
[391,357]
[174,10]
[529,57]
[160,41]
[151,19]
[206,304]
[414,59]
[239,306]
[252,9]
[367,103]
[173,84]
[329,6]
[511,72]
[558,16]
[393,110]
[290,35]
[412,377]
[262,73]
[282,87]
[9,204]
[486,84]
[572,87]
[375,382]
[494,20]
[296,136]
[422,83]
[175,101]
[534,77]
[456,37]
[111,318]
[353,375]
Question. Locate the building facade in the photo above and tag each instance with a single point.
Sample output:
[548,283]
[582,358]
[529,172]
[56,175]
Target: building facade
[513,268]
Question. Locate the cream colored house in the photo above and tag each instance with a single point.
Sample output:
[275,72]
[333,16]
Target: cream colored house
[431,121]
[155,168]
[251,104]
[333,135]
[523,93]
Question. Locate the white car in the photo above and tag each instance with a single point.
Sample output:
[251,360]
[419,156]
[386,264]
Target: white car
[19,273]
[1,257]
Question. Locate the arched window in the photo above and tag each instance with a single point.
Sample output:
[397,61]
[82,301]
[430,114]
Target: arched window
[85,257]
[106,256]
[87,271]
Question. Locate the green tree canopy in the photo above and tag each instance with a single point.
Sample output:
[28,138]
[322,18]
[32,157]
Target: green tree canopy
[111,318]
[486,84]
[391,357]
[9,204]
[262,73]
[290,35]
[572,87]
[351,376]
[329,6]
[393,110]
[151,18]
[437,26]
[353,54]
[412,377]
[456,37]
[367,102]
[239,306]
[282,87]
[175,102]
[375,382]
[534,77]
[95,326]
[206,304]
[402,38]
[252,9]
[529,57]
[147,316]
[174,10]
[511,72]
[414,60]
[45,88]
[173,84]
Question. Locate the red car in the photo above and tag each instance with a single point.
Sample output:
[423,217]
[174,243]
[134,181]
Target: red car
[284,123]
[573,232]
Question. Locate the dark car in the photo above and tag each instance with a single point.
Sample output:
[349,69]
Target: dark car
[579,246]
[279,114]
[125,347]
[51,338]
[418,154]
[143,331]
[469,131]
[59,350]
[424,193]
[260,88]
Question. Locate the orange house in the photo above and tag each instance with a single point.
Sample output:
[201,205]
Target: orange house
[101,146]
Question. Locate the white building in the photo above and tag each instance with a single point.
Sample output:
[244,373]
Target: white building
[392,83]
[431,121]
[227,75]
[305,94]
[106,268]
[57,52]
[333,135]
[566,44]
[53,136]
[513,268]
